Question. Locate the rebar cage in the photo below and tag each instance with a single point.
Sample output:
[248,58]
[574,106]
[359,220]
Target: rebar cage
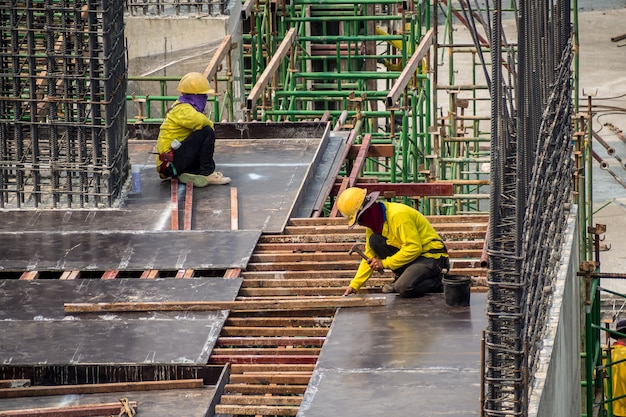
[62,112]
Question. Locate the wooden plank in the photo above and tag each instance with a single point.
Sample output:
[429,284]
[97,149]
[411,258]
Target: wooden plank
[271,68]
[258,410]
[323,247]
[223,360]
[341,229]
[279,321]
[271,367]
[301,303]
[14,383]
[405,189]
[374,151]
[218,57]
[357,168]
[312,274]
[86,410]
[260,400]
[270,341]
[278,351]
[185,273]
[174,203]
[232,273]
[187,215]
[313,257]
[149,274]
[29,275]
[300,283]
[270,378]
[294,292]
[264,389]
[234,209]
[246,9]
[409,70]
[453,218]
[39,391]
[274,331]
[111,274]
[68,275]
[299,266]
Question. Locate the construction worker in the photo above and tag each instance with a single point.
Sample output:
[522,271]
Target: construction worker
[186,140]
[399,238]
[618,371]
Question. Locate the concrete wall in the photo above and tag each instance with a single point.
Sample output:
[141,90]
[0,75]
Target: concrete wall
[175,45]
[556,389]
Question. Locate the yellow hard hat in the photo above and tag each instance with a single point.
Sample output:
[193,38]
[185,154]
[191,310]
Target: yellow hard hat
[353,201]
[194,83]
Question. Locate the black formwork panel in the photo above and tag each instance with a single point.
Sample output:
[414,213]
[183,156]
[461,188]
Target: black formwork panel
[63,141]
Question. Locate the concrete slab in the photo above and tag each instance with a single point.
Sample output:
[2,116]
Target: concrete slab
[151,403]
[412,354]
[36,330]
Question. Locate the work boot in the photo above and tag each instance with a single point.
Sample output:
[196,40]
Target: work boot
[389,289]
[197,180]
[217,178]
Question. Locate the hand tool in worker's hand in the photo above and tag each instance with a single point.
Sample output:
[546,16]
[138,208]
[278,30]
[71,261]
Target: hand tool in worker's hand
[357,249]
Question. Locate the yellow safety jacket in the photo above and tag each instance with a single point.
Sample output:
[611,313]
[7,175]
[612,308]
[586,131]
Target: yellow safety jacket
[406,229]
[179,123]
[618,377]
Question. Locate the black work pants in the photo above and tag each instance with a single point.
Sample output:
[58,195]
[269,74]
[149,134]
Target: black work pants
[195,155]
[416,278]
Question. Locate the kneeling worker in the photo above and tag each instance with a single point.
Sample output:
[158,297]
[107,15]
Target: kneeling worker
[186,140]
[399,238]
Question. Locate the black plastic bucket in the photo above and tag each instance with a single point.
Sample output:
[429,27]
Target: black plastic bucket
[456,290]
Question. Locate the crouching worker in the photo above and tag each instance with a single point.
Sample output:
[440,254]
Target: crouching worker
[399,238]
[186,140]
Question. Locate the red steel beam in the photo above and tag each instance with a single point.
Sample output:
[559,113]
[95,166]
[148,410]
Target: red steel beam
[405,189]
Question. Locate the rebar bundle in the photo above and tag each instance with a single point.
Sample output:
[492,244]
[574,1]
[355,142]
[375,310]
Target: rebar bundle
[531,171]
[62,107]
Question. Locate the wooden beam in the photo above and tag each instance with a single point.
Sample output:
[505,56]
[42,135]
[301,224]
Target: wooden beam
[174,203]
[150,274]
[260,400]
[110,274]
[211,69]
[409,71]
[246,9]
[232,273]
[234,209]
[39,391]
[29,275]
[271,341]
[271,367]
[86,410]
[185,273]
[14,383]
[188,206]
[271,68]
[259,410]
[291,304]
[223,360]
[406,189]
[264,389]
[232,331]
[374,151]
[68,275]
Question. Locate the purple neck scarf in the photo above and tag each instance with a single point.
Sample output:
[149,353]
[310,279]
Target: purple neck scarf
[197,101]
[373,218]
